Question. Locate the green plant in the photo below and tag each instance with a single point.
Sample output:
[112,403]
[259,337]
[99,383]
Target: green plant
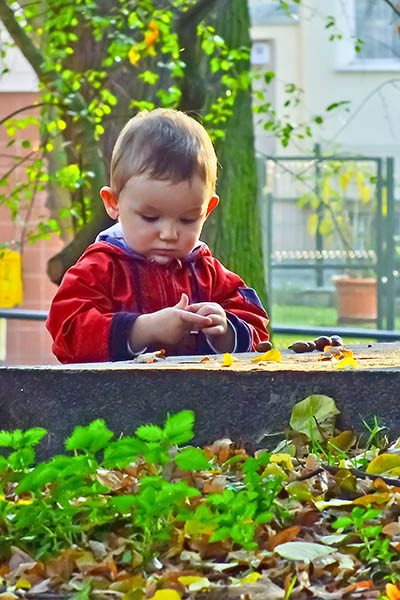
[375,547]
[343,209]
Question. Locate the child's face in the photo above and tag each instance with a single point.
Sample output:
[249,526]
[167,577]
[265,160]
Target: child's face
[160,219]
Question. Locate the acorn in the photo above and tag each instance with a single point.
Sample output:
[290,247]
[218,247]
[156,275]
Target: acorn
[336,340]
[299,347]
[321,342]
[263,346]
[311,345]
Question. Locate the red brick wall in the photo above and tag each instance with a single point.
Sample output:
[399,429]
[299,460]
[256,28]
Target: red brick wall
[27,341]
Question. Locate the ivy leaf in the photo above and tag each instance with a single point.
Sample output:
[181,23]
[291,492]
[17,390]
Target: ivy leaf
[91,438]
[192,459]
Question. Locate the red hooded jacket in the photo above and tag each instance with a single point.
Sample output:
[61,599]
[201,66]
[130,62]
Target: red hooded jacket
[101,296]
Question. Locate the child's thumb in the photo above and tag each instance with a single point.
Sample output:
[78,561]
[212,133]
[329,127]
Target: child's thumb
[183,302]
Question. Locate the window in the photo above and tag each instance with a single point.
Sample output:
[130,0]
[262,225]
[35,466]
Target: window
[377,25]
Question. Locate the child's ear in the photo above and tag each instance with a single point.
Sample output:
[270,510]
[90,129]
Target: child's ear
[110,202]
[212,204]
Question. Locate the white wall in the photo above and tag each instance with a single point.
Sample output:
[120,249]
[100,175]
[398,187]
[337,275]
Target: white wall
[328,72]
[21,77]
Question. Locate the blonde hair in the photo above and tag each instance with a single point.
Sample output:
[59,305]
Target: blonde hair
[167,145]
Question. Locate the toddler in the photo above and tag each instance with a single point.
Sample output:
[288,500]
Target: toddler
[148,282]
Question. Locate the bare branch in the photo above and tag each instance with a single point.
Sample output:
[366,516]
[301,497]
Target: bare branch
[393,7]
[23,109]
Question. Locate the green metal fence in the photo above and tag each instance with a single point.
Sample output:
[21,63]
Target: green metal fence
[325,215]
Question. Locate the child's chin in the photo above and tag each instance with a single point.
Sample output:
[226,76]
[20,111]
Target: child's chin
[161,260]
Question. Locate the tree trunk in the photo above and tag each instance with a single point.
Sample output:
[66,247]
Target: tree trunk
[234,230]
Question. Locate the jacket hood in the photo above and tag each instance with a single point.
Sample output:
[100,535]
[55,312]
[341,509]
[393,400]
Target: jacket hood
[112,241]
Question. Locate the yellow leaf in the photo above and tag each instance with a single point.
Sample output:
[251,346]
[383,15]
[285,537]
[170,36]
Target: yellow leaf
[166,595]
[252,578]
[23,584]
[274,469]
[227,359]
[312,225]
[195,584]
[344,180]
[134,55]
[383,464]
[272,356]
[187,580]
[282,458]
[379,498]
[360,178]
[326,190]
[365,194]
[24,501]
[346,363]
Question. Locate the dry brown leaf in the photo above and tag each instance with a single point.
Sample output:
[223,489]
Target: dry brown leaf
[287,535]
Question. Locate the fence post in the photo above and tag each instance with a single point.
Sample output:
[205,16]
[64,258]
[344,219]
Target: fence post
[264,204]
[390,244]
[380,252]
[319,242]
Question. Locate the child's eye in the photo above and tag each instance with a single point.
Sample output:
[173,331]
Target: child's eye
[188,221]
[149,219]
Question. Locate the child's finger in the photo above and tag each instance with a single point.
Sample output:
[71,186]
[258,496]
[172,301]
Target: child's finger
[183,302]
[214,330]
[195,319]
[205,309]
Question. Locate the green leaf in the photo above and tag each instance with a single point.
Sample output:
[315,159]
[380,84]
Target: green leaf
[312,225]
[38,478]
[91,438]
[303,551]
[149,433]
[313,414]
[122,452]
[179,428]
[34,435]
[192,459]
[269,76]
[123,504]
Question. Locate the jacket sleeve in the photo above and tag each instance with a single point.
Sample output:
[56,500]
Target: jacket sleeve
[243,308]
[82,320]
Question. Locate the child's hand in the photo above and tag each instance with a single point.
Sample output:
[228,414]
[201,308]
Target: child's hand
[167,326]
[219,333]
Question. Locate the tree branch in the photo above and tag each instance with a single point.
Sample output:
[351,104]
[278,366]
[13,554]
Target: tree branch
[356,472]
[393,7]
[23,109]
[24,43]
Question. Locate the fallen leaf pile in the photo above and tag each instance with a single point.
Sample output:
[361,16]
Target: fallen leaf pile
[316,517]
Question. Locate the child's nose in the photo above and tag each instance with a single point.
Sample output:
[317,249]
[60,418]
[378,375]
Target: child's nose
[169,231]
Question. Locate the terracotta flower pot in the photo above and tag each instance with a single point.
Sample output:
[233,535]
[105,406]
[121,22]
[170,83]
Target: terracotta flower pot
[357,299]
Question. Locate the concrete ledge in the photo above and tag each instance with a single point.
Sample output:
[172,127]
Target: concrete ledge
[247,406]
